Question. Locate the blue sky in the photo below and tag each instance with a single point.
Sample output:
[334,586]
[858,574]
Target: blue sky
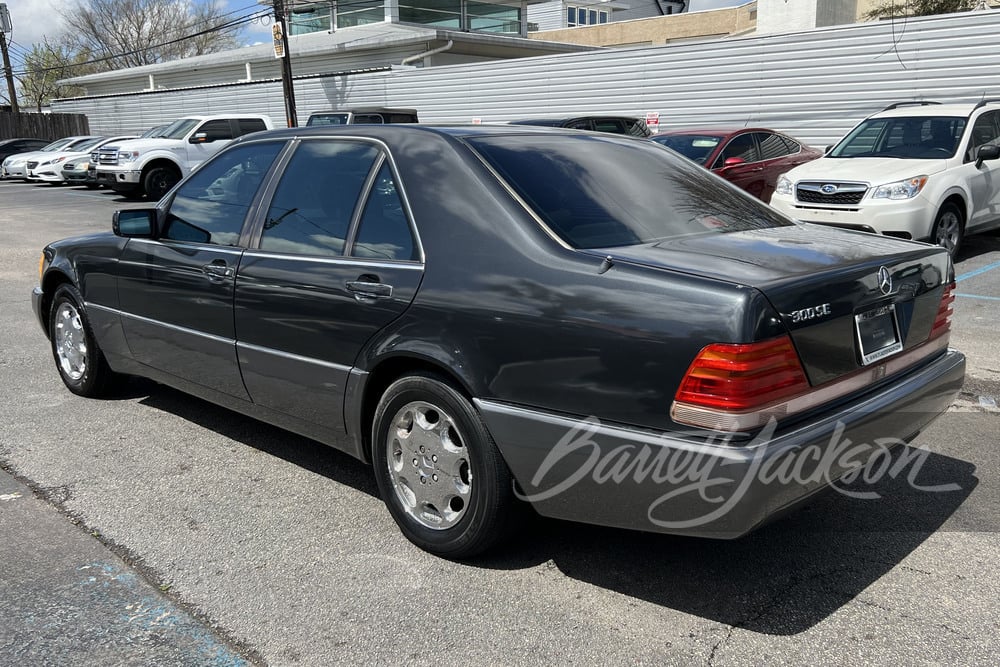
[33,20]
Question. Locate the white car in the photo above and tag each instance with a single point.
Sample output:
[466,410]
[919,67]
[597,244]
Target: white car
[915,170]
[74,166]
[15,166]
[48,168]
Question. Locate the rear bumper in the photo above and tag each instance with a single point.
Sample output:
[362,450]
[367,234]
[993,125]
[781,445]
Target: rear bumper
[666,482]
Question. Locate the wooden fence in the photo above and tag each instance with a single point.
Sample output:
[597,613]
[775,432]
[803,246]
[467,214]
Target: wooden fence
[50,126]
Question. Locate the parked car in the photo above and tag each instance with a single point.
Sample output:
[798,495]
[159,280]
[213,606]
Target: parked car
[16,166]
[152,166]
[10,147]
[630,125]
[91,180]
[76,167]
[364,116]
[751,158]
[474,308]
[915,170]
[48,168]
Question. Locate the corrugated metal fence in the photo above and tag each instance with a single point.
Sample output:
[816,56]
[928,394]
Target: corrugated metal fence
[814,85]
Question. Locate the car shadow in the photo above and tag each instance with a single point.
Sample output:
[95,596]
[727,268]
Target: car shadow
[297,450]
[975,245]
[781,580]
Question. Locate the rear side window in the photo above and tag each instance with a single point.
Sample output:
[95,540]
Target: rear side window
[384,232]
[248,125]
[602,191]
[211,205]
[312,207]
[771,146]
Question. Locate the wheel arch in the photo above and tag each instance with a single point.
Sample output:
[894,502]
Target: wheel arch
[384,373]
[160,162]
[50,283]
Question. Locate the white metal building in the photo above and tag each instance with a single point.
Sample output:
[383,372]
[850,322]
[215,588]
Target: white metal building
[813,84]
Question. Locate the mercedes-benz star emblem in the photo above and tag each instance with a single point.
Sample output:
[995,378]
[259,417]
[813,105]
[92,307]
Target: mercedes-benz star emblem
[828,189]
[884,280]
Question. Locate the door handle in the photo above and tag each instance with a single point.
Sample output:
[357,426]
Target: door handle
[368,286]
[218,270]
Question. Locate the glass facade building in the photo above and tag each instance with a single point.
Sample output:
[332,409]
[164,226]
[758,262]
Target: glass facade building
[501,17]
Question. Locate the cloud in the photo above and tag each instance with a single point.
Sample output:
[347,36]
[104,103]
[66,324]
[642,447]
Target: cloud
[32,21]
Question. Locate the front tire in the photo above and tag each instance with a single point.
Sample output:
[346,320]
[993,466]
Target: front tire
[438,470]
[949,228]
[80,363]
[159,181]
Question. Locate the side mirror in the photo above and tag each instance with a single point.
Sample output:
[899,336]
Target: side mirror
[733,161]
[139,223]
[987,152]
[198,138]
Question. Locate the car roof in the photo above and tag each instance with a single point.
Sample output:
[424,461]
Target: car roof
[392,131]
[569,119]
[926,110]
[366,110]
[715,131]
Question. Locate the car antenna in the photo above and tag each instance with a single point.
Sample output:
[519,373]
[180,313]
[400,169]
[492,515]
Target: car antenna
[606,264]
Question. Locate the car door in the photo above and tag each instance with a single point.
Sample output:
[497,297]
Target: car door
[743,169]
[984,181]
[336,260]
[176,292]
[208,139]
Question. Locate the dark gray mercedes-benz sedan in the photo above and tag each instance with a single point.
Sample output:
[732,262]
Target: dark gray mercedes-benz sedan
[497,317]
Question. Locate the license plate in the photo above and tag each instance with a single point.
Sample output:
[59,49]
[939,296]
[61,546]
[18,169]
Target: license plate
[878,333]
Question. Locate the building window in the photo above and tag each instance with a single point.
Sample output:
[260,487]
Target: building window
[576,16]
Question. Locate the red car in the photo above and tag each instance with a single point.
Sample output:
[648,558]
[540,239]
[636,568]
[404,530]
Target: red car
[751,157]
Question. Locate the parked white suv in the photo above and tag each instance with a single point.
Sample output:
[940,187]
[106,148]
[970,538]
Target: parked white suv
[153,166]
[916,170]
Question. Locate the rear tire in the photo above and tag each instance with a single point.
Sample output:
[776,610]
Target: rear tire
[949,228]
[79,360]
[158,181]
[438,470]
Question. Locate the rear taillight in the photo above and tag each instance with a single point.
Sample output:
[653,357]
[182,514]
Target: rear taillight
[942,323]
[742,377]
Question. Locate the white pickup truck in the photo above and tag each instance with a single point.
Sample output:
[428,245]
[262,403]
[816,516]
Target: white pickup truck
[152,167]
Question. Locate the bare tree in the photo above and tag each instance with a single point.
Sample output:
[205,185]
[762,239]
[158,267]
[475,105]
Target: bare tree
[44,66]
[141,32]
[899,8]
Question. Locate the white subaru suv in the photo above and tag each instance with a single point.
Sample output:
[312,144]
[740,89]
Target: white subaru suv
[915,170]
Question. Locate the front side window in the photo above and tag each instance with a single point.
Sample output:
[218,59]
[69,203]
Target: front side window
[601,191]
[314,203]
[217,130]
[985,130]
[742,147]
[211,206]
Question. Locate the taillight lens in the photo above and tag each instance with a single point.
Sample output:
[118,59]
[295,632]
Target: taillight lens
[942,323]
[740,377]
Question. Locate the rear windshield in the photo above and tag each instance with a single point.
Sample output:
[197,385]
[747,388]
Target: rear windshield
[327,119]
[602,192]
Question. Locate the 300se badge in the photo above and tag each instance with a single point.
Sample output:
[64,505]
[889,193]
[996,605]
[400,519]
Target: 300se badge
[810,313]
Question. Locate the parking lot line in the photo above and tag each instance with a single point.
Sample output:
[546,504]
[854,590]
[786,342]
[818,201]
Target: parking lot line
[978,296]
[976,272]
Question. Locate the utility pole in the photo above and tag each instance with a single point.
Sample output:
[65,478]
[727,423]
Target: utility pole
[5,28]
[280,33]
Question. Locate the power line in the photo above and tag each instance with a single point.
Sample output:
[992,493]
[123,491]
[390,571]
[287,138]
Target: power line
[219,28]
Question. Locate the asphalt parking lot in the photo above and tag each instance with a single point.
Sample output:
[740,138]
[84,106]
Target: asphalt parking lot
[260,547]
